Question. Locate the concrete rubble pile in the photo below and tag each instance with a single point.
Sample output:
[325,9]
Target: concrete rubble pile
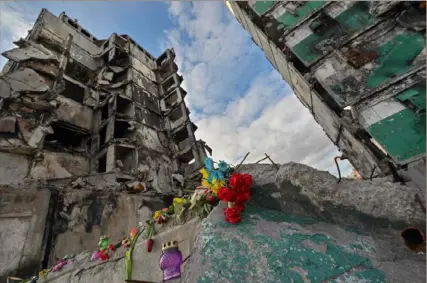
[299,224]
[95,136]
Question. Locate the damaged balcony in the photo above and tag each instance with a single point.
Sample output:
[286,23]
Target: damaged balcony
[185,155]
[78,72]
[181,133]
[126,161]
[172,99]
[171,82]
[122,129]
[66,138]
[124,107]
[166,65]
[73,90]
[177,117]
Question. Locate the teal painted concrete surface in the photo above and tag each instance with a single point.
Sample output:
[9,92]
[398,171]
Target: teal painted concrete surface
[269,246]
[403,135]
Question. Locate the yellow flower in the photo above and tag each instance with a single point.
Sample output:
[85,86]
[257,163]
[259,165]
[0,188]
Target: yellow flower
[179,201]
[156,215]
[216,186]
[206,184]
[205,173]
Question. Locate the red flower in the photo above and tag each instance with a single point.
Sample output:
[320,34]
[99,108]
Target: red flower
[103,255]
[240,207]
[235,181]
[226,194]
[232,214]
[247,180]
[160,220]
[242,196]
[150,244]
[111,247]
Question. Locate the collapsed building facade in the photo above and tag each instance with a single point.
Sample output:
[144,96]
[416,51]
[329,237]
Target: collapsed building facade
[73,105]
[359,67]
[95,136]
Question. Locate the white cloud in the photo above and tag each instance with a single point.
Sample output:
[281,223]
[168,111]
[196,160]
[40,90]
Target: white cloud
[238,101]
[15,22]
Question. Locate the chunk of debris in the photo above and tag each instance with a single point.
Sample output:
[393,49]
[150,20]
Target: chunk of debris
[38,135]
[29,50]
[24,80]
[8,125]
[77,183]
[116,69]
[119,163]
[179,178]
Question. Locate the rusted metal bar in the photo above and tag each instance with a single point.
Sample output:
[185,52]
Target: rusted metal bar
[261,160]
[342,157]
[243,160]
[275,165]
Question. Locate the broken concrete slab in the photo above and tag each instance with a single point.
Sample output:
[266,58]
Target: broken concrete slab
[29,51]
[25,80]
[38,135]
[271,246]
[23,217]
[14,167]
[8,125]
[116,69]
[305,191]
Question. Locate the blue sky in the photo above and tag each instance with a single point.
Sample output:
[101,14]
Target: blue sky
[237,99]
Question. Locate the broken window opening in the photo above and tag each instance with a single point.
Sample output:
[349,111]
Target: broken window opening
[168,84]
[73,24]
[184,144]
[186,157]
[65,136]
[125,159]
[73,91]
[121,129]
[102,164]
[85,33]
[124,106]
[120,58]
[162,59]
[104,112]
[175,114]
[171,100]
[180,135]
[103,136]
[329,100]
[77,71]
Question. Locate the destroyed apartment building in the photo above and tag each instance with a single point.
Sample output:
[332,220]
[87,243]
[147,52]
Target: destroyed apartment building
[73,105]
[360,69]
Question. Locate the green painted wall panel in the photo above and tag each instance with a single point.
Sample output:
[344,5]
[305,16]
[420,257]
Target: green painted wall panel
[350,21]
[252,254]
[289,20]
[403,135]
[396,57]
[262,6]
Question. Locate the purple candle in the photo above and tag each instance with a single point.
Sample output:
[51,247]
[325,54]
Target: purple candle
[170,260]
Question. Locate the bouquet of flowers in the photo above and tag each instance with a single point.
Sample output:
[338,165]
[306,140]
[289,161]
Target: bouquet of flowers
[236,194]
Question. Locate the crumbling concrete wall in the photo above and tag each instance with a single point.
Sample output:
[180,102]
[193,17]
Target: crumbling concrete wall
[81,217]
[23,218]
[302,190]
[145,265]
[56,165]
[14,167]
[271,246]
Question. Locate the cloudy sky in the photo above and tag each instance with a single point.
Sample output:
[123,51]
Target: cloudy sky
[239,102]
